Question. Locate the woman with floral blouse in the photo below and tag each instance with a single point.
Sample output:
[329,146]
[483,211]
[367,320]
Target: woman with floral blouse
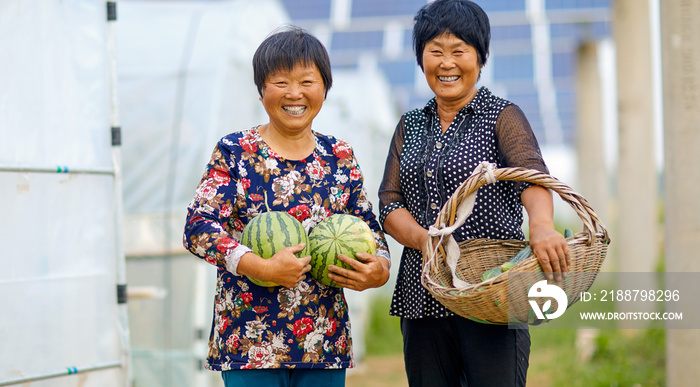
[296,334]
[434,149]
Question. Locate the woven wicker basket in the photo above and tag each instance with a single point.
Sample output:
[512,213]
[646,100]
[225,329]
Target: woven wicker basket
[504,298]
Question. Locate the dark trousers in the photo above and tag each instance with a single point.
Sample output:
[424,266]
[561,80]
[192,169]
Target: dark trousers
[455,351]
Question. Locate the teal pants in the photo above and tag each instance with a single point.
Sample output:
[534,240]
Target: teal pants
[284,378]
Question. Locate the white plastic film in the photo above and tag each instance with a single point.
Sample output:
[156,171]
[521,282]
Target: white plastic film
[186,80]
[53,88]
[58,298]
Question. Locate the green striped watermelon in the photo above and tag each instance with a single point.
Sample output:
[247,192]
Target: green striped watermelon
[270,232]
[338,234]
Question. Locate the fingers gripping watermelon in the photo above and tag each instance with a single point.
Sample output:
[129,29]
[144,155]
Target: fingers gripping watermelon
[271,232]
[338,234]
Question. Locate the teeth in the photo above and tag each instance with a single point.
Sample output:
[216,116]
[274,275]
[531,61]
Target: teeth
[295,110]
[449,79]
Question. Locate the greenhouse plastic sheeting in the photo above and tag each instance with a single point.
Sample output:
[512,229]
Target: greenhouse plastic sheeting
[54,84]
[58,266]
[185,80]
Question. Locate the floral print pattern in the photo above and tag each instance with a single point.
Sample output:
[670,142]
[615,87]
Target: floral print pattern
[259,327]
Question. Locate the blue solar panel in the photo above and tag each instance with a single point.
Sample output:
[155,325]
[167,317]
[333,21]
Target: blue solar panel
[566,30]
[307,9]
[510,32]
[601,29]
[511,62]
[563,64]
[527,102]
[399,73]
[579,32]
[408,38]
[501,5]
[357,40]
[512,66]
[566,104]
[369,8]
[577,4]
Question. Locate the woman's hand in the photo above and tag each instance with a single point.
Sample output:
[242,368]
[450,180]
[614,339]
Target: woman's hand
[551,250]
[283,268]
[369,271]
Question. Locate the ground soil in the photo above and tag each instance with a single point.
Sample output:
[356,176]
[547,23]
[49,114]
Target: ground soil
[378,371]
[388,371]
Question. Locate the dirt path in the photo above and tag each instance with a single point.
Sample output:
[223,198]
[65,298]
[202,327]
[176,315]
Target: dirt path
[388,371]
[378,371]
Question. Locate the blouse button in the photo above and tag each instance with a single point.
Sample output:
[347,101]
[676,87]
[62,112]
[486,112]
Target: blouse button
[429,174]
[433,206]
[438,145]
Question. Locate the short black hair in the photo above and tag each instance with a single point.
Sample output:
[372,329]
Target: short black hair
[463,18]
[285,48]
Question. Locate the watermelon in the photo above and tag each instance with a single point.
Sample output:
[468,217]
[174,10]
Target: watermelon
[338,234]
[269,233]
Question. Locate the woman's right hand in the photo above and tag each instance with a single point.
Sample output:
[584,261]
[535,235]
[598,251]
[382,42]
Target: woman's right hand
[284,268]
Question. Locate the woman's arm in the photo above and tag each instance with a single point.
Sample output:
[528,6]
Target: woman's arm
[548,245]
[401,225]
[395,218]
[206,233]
[518,147]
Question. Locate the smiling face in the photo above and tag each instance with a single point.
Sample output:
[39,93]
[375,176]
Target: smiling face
[451,68]
[293,98]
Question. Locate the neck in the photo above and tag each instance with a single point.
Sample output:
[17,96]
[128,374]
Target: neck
[292,146]
[447,109]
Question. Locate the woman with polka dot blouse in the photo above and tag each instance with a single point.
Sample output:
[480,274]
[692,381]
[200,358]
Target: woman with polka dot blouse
[434,149]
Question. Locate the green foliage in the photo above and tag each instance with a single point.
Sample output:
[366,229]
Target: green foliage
[620,358]
[383,335]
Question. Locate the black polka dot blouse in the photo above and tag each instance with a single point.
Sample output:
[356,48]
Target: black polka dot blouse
[425,166]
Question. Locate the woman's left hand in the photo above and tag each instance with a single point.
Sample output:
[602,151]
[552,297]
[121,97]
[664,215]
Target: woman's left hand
[369,271]
[551,250]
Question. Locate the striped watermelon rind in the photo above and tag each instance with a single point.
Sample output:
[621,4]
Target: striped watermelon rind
[338,234]
[271,232]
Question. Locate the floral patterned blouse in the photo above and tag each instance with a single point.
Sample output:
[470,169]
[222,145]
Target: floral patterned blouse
[425,166]
[260,327]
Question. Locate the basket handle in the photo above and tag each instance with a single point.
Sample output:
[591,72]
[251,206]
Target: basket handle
[591,222]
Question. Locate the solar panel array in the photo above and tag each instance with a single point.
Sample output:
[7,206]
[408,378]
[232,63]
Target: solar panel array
[543,85]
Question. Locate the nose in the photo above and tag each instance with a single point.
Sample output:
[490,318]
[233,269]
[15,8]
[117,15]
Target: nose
[293,91]
[447,62]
